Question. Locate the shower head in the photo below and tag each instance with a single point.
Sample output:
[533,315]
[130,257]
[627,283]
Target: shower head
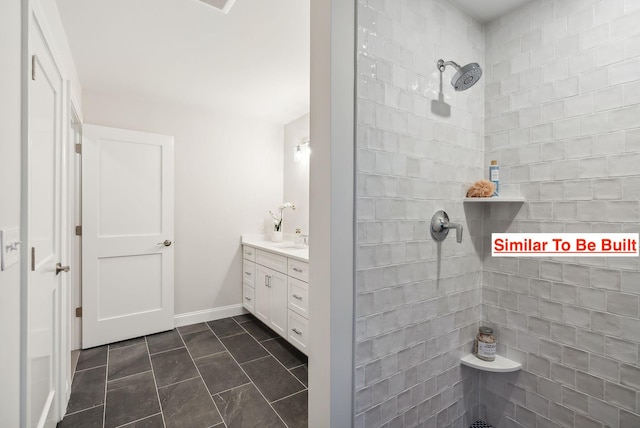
[465,77]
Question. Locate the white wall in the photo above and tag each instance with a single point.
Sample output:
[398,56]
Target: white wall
[296,177]
[10,18]
[331,219]
[228,175]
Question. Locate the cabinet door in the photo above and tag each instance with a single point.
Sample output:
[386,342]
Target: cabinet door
[248,297]
[262,294]
[278,289]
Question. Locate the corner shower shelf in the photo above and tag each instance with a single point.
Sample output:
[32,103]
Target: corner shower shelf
[496,199]
[500,365]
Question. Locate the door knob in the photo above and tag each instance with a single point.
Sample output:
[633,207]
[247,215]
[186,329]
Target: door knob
[60,268]
[166,243]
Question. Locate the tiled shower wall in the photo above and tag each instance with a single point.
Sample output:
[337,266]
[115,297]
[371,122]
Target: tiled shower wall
[563,119]
[418,304]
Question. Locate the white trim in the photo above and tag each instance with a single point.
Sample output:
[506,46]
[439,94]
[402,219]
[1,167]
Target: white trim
[331,214]
[48,404]
[208,315]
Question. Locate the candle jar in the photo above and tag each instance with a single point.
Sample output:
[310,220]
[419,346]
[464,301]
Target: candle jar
[486,344]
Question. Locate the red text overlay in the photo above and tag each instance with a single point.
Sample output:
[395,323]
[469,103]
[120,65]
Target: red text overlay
[564,244]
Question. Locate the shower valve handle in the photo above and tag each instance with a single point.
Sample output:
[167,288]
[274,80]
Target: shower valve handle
[440,226]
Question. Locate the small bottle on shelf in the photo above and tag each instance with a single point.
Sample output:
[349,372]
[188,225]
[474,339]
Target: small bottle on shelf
[494,176]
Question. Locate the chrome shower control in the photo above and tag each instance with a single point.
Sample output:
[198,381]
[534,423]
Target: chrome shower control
[440,226]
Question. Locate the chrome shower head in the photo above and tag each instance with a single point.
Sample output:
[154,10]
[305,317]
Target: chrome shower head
[465,77]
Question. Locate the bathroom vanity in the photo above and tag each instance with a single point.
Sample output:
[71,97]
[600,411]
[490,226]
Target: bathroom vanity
[275,287]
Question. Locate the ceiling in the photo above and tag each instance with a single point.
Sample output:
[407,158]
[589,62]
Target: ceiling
[488,10]
[253,61]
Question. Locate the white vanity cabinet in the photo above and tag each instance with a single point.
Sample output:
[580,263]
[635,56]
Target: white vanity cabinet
[275,289]
[271,299]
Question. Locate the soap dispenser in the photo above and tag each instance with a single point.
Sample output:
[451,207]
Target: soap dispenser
[298,239]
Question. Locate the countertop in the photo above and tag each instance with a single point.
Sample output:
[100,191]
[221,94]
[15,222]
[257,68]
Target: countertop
[284,248]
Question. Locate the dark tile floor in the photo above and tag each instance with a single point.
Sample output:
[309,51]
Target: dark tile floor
[230,373]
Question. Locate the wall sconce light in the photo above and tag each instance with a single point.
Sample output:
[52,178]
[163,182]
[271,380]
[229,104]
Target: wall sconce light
[301,151]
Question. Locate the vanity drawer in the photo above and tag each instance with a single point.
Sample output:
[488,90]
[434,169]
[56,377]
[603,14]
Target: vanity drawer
[273,261]
[248,273]
[298,299]
[249,253]
[298,269]
[248,297]
[298,331]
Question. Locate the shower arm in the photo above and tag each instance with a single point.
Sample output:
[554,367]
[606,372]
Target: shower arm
[442,65]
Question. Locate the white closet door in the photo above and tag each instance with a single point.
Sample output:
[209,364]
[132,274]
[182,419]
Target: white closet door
[127,242]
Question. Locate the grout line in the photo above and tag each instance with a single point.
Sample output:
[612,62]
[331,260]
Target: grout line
[256,359]
[89,368]
[166,350]
[230,335]
[288,396]
[297,367]
[230,389]
[209,355]
[138,420]
[83,410]
[180,381]
[153,375]
[124,377]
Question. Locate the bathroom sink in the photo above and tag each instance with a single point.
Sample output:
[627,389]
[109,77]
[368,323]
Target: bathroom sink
[291,246]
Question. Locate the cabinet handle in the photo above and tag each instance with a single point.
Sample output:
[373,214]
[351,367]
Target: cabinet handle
[247,298]
[299,333]
[295,296]
[267,280]
[295,269]
[248,273]
[248,253]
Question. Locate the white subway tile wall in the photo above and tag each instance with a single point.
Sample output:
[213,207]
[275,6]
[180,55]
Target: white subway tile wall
[573,323]
[418,304]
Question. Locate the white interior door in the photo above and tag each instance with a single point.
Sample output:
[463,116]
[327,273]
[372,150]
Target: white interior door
[44,224]
[127,234]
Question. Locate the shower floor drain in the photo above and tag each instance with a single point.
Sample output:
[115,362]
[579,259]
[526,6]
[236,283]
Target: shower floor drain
[480,424]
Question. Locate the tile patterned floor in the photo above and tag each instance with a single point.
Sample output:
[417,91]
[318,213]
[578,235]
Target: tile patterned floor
[230,373]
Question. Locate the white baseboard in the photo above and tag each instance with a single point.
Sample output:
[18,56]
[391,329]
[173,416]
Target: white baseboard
[208,315]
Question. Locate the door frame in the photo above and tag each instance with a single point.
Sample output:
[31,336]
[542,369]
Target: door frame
[70,248]
[75,219]
[61,356]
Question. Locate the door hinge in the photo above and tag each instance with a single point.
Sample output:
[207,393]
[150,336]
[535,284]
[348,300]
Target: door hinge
[79,149]
[78,230]
[33,67]
[79,312]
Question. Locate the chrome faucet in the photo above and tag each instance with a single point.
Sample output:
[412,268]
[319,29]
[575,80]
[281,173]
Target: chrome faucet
[440,226]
